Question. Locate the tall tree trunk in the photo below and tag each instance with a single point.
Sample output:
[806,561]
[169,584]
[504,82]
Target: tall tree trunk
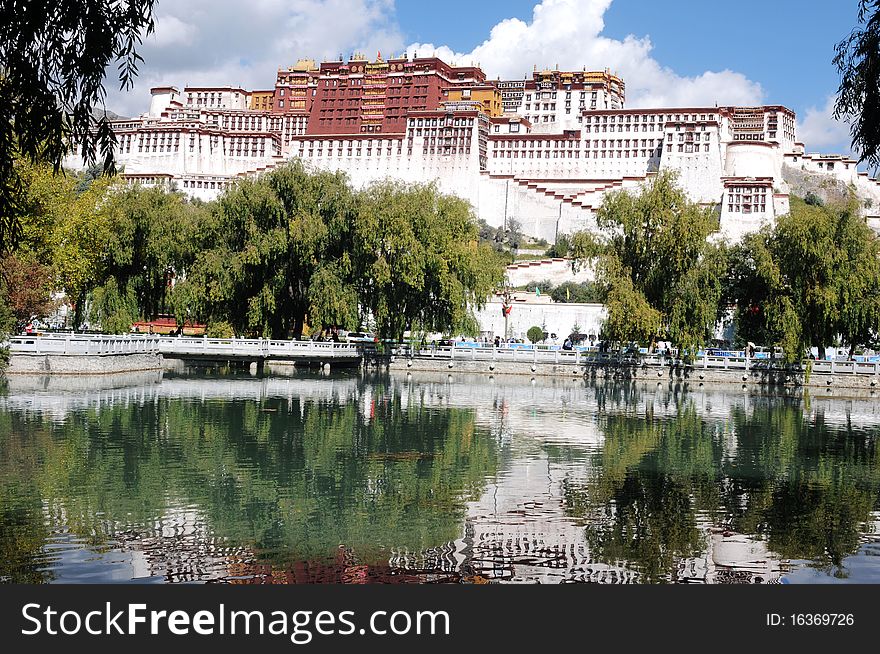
[78,311]
[821,349]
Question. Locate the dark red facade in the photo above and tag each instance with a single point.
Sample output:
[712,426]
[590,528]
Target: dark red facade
[361,96]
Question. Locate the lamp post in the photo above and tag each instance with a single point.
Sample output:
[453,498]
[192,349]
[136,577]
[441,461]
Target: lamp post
[559,218]
[506,307]
[506,198]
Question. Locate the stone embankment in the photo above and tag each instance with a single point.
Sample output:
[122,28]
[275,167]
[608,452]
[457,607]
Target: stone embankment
[81,354]
[82,364]
[850,377]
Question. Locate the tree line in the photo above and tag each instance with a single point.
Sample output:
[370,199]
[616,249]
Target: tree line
[295,251]
[282,255]
[810,280]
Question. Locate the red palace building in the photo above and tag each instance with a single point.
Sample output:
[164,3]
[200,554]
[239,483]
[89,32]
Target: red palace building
[363,97]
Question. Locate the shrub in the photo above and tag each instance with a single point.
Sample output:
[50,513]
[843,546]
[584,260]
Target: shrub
[535,334]
[583,293]
[814,200]
[220,329]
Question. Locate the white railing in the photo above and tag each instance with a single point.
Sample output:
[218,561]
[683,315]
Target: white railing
[536,355]
[96,344]
[182,346]
[83,344]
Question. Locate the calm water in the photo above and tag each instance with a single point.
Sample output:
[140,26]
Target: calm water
[356,478]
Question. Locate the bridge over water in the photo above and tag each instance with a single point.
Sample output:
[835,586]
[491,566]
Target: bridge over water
[232,350]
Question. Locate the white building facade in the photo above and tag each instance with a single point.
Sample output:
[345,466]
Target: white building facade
[547,168]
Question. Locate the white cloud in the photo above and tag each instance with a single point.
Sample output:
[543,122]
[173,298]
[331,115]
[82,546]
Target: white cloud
[568,33]
[219,42]
[227,42]
[820,131]
[171,31]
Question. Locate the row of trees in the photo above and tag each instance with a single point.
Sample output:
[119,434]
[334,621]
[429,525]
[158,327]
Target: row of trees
[296,249]
[576,292]
[811,280]
[274,255]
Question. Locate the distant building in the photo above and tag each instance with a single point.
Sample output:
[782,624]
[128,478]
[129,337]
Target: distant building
[543,151]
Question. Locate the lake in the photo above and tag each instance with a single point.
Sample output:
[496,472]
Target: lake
[217,476]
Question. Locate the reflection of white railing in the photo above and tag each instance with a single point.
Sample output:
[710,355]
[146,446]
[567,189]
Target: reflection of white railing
[91,344]
[530,354]
[83,344]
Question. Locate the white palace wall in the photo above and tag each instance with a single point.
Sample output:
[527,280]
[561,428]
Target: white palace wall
[550,183]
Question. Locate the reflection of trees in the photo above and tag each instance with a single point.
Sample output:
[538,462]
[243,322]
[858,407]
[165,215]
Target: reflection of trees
[809,489]
[653,475]
[292,479]
[22,531]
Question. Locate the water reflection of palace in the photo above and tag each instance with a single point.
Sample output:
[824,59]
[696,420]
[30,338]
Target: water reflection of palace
[434,478]
[507,538]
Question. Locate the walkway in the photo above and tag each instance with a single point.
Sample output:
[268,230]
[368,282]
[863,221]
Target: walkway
[519,353]
[196,349]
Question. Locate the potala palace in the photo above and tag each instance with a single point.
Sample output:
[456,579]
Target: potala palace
[542,151]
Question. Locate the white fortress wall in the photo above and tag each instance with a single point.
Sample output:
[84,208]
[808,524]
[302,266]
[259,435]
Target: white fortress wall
[548,168]
[556,318]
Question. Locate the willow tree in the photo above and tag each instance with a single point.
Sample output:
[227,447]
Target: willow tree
[275,251]
[420,263]
[813,278]
[54,59]
[150,240]
[659,275]
[858,98]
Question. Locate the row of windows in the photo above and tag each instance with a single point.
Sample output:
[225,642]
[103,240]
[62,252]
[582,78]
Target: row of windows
[355,152]
[445,132]
[148,181]
[535,144]
[352,143]
[444,150]
[622,143]
[649,118]
[575,154]
[539,154]
[238,123]
[157,148]
[294,104]
[443,122]
[749,137]
[388,151]
[551,95]
[691,136]
[443,141]
[245,153]
[623,128]
[205,184]
[689,148]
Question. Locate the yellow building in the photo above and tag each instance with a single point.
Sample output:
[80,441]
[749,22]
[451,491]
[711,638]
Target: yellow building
[488,95]
[262,100]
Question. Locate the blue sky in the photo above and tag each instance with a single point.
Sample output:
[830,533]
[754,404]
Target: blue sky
[788,49]
[785,45]
[671,52]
